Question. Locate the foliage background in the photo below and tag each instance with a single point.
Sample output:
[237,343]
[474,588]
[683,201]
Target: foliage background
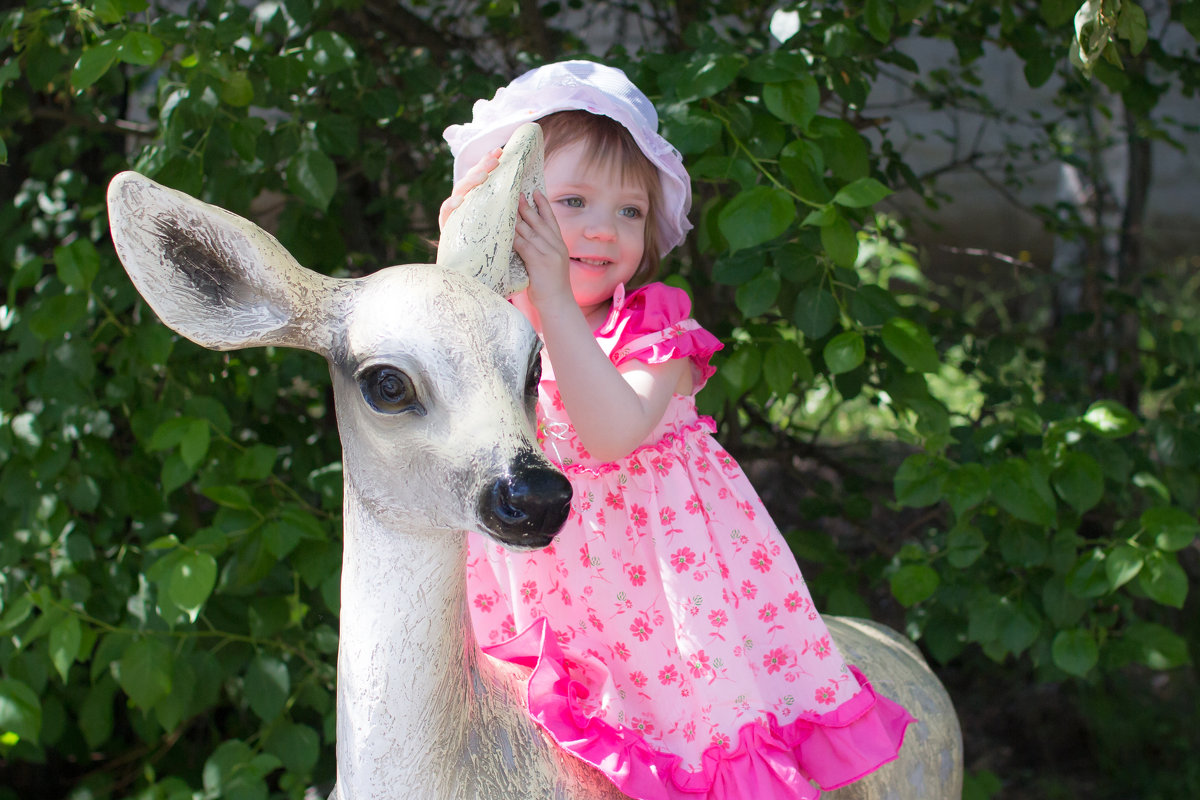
[1004,469]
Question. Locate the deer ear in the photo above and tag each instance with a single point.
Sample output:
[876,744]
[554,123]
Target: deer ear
[212,276]
[478,236]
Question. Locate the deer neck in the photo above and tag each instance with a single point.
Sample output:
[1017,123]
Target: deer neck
[407,660]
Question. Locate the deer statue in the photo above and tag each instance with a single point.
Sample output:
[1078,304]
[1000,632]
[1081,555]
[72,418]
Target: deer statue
[435,377]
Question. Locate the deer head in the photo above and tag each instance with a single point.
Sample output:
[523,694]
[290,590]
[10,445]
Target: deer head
[435,375]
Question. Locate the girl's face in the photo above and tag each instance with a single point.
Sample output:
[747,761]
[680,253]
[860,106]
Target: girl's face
[603,223]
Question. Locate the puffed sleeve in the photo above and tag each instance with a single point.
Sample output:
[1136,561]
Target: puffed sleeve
[653,324]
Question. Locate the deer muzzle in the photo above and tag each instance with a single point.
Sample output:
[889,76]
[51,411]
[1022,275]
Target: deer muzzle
[525,508]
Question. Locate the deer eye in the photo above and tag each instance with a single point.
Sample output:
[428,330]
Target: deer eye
[389,391]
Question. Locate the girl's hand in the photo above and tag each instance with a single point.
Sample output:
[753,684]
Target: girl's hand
[539,243]
[475,176]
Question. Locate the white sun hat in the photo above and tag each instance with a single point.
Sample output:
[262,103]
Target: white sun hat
[587,86]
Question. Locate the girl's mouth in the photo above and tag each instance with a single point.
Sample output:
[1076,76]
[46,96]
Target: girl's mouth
[592,262]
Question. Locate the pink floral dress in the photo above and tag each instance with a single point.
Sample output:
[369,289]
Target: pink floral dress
[673,641]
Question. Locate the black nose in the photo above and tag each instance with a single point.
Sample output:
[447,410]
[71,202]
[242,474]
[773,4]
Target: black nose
[528,506]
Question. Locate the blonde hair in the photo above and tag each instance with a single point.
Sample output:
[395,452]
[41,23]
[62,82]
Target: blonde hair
[607,140]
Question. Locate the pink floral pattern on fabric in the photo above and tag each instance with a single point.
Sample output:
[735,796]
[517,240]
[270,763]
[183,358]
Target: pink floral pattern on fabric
[669,622]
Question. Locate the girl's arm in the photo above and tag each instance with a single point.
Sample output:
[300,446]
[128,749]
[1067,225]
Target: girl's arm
[612,408]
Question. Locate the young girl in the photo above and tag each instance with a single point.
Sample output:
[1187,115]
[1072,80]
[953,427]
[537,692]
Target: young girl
[673,642]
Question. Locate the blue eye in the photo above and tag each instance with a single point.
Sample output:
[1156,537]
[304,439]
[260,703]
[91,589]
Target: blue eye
[633,212]
[573,202]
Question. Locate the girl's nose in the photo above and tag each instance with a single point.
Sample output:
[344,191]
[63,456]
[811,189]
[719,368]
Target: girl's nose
[600,230]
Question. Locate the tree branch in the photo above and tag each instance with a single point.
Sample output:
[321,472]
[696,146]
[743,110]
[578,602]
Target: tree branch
[99,122]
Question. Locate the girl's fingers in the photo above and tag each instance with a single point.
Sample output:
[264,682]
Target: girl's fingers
[472,178]
[546,212]
[448,205]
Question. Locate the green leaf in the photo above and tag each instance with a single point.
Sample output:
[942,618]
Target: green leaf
[65,639]
[281,538]
[793,101]
[1075,651]
[1017,490]
[840,242]
[803,164]
[96,712]
[327,52]
[77,264]
[1161,648]
[305,522]
[879,15]
[734,269]
[1163,579]
[297,746]
[229,496]
[1089,577]
[255,463]
[109,11]
[910,10]
[1022,547]
[1122,565]
[873,305]
[1079,480]
[706,74]
[911,343]
[92,64]
[1189,15]
[785,367]
[690,129]
[1039,67]
[209,408]
[175,473]
[16,612]
[233,772]
[141,48]
[985,615]
[237,90]
[815,312]
[756,215]
[58,315]
[742,369]
[144,672]
[267,686]
[312,176]
[1058,12]
[193,445]
[244,136]
[846,152]
[20,711]
[964,546]
[844,352]
[966,487]
[861,193]
[1172,528]
[1019,627]
[1110,419]
[1061,605]
[1132,26]
[173,708]
[913,583]
[758,295]
[169,433]
[918,481]
[191,581]
[982,784]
